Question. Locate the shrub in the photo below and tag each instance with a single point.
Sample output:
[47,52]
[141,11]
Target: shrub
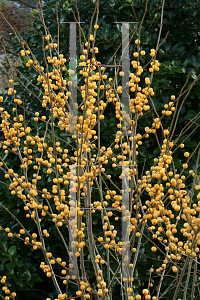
[106,222]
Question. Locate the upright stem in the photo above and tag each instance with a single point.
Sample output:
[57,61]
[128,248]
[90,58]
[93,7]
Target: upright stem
[194,279]
[187,280]
[184,267]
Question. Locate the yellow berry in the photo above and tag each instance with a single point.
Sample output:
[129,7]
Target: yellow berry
[13,294]
[145,292]
[147,80]
[174,269]
[85,74]
[137,42]
[186,154]
[82,57]
[47,37]
[78,293]
[153,249]
[48,254]
[166,132]
[172,97]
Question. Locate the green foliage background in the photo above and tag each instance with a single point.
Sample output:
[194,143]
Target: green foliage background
[178,55]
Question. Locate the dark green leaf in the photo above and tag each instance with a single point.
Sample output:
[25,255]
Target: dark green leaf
[12,250]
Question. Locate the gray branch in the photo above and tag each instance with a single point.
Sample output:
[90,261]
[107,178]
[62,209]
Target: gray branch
[27,4]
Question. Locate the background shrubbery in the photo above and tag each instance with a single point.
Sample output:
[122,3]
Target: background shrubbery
[179,55]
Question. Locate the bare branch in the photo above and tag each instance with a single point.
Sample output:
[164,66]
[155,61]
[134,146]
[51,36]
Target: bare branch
[5,38]
[24,3]
[9,51]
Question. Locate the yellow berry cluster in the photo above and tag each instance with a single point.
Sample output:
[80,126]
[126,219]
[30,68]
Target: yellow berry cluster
[5,289]
[160,202]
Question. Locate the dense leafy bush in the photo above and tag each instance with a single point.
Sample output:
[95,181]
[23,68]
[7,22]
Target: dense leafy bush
[178,55]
